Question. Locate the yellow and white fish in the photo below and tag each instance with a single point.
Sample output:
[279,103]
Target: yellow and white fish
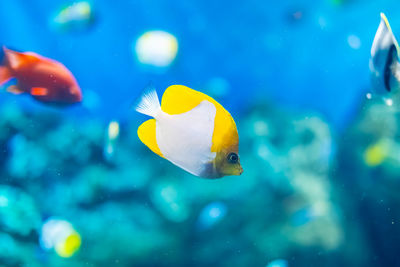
[191,130]
[384,62]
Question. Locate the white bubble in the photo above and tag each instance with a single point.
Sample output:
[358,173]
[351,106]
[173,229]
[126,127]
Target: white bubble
[3,201]
[55,231]
[369,95]
[389,102]
[354,41]
[156,48]
[78,14]
[211,215]
[113,130]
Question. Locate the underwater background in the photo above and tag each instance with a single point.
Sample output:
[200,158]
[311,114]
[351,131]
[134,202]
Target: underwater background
[321,161]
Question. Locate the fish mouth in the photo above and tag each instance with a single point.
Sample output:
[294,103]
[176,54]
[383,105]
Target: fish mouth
[78,98]
[240,170]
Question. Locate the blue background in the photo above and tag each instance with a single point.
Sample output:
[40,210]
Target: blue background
[257,46]
[313,192]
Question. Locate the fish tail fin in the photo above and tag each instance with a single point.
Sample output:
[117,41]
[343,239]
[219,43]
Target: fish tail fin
[148,103]
[5,75]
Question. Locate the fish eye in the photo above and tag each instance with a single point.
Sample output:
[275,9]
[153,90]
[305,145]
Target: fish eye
[233,158]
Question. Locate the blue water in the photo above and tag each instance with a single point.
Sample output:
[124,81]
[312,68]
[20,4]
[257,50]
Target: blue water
[257,46]
[321,162]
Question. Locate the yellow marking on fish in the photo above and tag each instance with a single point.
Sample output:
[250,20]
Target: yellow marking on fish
[147,134]
[178,99]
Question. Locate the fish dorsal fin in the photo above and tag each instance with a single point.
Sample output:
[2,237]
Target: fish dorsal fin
[16,59]
[389,29]
[147,134]
[148,103]
[384,37]
[178,99]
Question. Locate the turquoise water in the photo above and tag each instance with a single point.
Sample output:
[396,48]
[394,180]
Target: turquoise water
[321,161]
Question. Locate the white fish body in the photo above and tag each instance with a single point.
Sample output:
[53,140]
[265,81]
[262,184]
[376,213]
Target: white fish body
[184,139]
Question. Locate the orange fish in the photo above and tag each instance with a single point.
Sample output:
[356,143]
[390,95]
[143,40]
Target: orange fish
[45,79]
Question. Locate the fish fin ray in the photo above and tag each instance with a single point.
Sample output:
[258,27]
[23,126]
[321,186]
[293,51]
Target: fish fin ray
[148,103]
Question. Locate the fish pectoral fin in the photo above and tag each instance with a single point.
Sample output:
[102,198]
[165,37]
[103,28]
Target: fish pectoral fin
[5,75]
[14,90]
[39,91]
[147,134]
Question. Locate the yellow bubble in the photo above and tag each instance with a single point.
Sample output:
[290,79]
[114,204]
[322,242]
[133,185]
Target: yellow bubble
[375,154]
[70,245]
[113,130]
[84,8]
[79,11]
